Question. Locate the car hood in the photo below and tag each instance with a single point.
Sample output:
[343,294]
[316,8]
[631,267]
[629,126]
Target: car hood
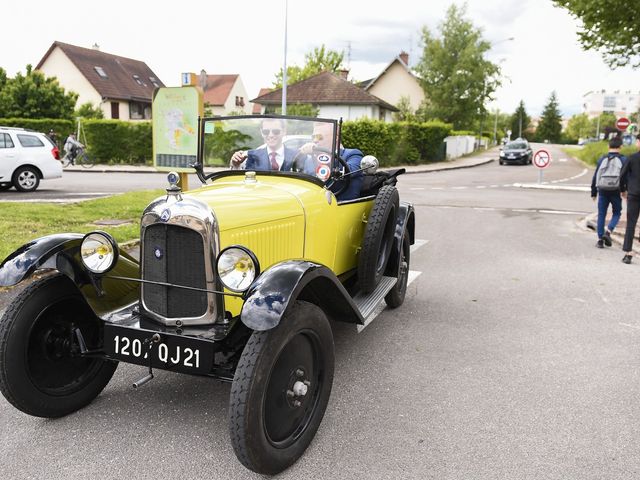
[237,203]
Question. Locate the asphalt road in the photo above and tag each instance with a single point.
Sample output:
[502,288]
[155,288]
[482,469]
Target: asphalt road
[514,356]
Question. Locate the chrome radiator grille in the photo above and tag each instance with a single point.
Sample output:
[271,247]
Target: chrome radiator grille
[175,255]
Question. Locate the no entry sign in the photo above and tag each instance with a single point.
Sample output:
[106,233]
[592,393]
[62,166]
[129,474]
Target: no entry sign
[541,159]
[622,123]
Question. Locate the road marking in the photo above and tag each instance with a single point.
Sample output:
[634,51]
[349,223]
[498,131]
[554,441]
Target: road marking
[459,188]
[630,326]
[417,188]
[417,244]
[560,212]
[604,299]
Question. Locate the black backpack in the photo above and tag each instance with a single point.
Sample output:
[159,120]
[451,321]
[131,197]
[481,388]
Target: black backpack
[608,176]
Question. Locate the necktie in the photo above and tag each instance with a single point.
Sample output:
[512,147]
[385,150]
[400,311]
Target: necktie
[274,164]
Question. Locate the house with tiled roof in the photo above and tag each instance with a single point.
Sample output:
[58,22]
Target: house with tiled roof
[223,94]
[333,95]
[121,87]
[395,81]
[257,108]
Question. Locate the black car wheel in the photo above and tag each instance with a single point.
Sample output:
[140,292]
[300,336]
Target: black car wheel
[281,389]
[41,371]
[378,238]
[26,179]
[395,297]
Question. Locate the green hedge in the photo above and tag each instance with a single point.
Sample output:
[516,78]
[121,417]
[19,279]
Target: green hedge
[591,152]
[62,127]
[115,141]
[400,143]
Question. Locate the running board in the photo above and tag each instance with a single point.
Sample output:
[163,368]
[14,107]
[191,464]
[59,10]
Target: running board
[367,303]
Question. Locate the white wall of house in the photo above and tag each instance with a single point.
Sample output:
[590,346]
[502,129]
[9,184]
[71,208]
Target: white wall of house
[354,112]
[396,83]
[237,90]
[71,79]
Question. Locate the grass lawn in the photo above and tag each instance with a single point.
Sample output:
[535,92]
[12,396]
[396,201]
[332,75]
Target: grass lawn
[22,222]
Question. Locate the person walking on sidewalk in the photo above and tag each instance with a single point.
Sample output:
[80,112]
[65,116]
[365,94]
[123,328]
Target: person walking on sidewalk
[605,186]
[630,188]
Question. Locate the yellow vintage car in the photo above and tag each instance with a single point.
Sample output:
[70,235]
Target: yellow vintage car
[237,280]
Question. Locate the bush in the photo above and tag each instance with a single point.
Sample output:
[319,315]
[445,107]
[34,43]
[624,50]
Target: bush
[115,141]
[62,127]
[591,152]
[400,143]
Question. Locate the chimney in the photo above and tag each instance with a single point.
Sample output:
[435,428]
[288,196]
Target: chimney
[404,56]
[203,79]
[344,73]
[95,46]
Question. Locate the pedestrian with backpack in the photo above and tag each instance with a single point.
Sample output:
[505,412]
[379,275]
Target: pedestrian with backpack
[605,186]
[630,188]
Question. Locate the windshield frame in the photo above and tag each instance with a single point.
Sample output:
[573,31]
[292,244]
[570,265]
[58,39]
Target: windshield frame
[202,121]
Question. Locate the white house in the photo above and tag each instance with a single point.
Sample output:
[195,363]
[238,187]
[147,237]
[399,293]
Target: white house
[333,96]
[121,87]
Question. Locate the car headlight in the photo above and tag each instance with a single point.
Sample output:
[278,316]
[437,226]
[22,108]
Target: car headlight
[237,268]
[99,252]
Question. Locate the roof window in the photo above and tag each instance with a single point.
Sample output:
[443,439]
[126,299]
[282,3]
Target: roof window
[154,80]
[100,71]
[137,79]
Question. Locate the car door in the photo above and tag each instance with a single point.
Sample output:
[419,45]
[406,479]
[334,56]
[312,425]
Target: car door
[8,157]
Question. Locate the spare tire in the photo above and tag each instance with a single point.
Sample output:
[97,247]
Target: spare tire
[378,238]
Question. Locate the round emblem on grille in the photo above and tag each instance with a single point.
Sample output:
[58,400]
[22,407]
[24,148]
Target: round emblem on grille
[165,215]
[157,252]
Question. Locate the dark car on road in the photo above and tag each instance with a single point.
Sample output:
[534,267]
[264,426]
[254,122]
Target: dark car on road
[517,151]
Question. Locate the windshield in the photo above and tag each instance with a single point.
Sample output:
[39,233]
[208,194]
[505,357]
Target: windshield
[270,143]
[516,146]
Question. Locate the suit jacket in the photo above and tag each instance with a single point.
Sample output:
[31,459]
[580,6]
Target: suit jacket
[258,159]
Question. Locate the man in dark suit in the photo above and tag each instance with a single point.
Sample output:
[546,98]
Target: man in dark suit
[273,156]
[323,136]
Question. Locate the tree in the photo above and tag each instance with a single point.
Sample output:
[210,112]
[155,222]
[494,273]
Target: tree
[456,78]
[579,127]
[87,110]
[405,113]
[550,126]
[34,96]
[605,123]
[319,60]
[520,122]
[614,30]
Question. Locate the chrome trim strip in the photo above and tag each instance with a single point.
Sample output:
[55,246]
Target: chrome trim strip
[192,214]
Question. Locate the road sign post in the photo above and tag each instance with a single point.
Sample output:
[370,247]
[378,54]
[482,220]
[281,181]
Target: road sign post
[541,159]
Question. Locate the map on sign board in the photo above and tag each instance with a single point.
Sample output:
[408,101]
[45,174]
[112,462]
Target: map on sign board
[175,127]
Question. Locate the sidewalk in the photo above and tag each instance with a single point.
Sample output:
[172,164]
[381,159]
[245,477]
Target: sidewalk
[473,160]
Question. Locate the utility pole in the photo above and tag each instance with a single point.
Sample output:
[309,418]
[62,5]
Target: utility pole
[520,135]
[598,129]
[284,68]
[495,128]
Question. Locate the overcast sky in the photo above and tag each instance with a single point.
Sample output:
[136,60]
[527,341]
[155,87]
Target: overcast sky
[247,37]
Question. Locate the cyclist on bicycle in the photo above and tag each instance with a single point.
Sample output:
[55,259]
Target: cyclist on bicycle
[71,147]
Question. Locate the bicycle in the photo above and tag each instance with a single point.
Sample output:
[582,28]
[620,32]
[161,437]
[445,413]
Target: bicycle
[81,158]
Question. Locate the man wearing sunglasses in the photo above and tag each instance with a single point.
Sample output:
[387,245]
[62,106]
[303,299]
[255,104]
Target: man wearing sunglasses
[273,156]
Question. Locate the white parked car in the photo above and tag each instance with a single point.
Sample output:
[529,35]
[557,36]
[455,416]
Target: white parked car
[26,157]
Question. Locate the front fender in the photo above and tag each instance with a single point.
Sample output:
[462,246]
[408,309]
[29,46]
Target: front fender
[405,225]
[269,297]
[62,253]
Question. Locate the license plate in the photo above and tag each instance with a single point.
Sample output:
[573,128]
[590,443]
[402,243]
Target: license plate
[172,352]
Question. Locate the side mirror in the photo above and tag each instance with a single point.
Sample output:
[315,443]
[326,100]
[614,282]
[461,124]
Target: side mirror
[369,164]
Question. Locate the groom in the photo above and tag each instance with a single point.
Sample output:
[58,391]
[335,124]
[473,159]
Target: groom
[274,156]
